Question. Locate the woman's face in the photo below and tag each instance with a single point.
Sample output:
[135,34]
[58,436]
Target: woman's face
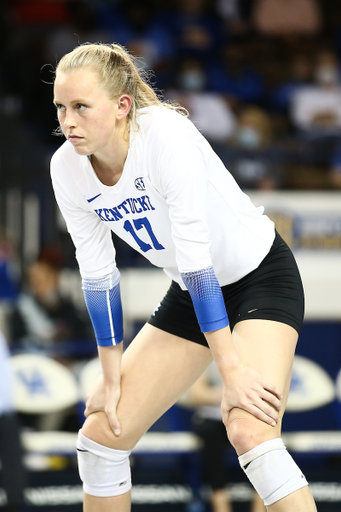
[87,115]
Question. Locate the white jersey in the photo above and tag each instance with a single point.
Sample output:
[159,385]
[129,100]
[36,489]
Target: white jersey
[175,203]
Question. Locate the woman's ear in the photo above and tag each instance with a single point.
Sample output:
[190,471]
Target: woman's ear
[124,104]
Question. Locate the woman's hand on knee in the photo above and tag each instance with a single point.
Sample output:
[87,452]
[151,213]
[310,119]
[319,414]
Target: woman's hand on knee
[104,397]
[246,389]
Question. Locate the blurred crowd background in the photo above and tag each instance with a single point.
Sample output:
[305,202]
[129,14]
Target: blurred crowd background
[259,77]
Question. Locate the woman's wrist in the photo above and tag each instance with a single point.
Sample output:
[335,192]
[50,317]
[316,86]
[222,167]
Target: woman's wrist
[111,383]
[110,358]
[229,363]
[223,350]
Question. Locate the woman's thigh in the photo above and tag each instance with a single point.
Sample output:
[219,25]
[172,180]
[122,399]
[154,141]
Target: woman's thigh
[268,347]
[157,369]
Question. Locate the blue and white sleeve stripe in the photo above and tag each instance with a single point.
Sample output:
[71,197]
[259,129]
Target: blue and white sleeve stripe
[103,300]
[207,299]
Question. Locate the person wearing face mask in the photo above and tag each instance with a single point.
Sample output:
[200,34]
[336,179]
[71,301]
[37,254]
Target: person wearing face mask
[209,111]
[316,108]
[249,137]
[249,160]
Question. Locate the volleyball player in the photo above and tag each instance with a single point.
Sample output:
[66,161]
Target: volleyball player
[140,168]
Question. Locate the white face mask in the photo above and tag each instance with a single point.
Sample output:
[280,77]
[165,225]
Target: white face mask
[192,80]
[249,137]
[327,75]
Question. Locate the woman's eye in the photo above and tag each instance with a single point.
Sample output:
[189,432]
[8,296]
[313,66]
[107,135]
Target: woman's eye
[80,106]
[60,107]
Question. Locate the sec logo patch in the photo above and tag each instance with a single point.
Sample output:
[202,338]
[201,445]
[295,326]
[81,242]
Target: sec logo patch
[139,184]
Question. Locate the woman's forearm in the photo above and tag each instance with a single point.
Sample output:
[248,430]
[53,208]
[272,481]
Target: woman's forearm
[110,358]
[223,350]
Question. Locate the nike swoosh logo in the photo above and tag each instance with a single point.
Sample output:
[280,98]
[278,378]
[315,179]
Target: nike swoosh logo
[93,198]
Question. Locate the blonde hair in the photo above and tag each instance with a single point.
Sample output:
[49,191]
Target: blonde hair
[118,73]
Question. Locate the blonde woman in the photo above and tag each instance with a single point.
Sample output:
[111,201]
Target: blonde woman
[140,168]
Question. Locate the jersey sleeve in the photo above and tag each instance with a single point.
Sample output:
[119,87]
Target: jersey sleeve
[183,180]
[95,254]
[207,299]
[103,300]
[95,251]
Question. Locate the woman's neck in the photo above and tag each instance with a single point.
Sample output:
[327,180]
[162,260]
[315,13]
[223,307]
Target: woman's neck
[109,167]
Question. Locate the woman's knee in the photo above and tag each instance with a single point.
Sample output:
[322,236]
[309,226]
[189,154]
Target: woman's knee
[245,431]
[96,427]
[103,464]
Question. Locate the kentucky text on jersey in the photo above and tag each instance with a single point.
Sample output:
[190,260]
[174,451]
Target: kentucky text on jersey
[130,205]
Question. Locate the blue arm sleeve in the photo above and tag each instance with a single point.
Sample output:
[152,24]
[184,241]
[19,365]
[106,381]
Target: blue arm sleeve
[103,300]
[207,299]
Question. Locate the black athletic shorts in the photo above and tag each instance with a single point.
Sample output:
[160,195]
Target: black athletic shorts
[273,291]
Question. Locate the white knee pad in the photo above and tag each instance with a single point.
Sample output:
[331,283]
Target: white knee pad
[105,472]
[272,471]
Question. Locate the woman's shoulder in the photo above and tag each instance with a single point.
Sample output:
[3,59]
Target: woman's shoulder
[164,115]
[164,123]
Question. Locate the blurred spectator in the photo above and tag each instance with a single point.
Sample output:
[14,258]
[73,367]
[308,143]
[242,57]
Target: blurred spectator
[228,9]
[300,75]
[287,17]
[317,107]
[234,77]
[43,318]
[80,27]
[8,278]
[250,160]
[205,395]
[232,12]
[141,34]
[209,111]
[335,168]
[196,28]
[11,453]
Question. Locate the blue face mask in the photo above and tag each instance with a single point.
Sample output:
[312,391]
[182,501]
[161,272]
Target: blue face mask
[249,138]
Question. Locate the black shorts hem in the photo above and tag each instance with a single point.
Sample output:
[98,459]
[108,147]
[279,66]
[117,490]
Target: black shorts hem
[274,317]
[179,331]
[273,291]
[199,337]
